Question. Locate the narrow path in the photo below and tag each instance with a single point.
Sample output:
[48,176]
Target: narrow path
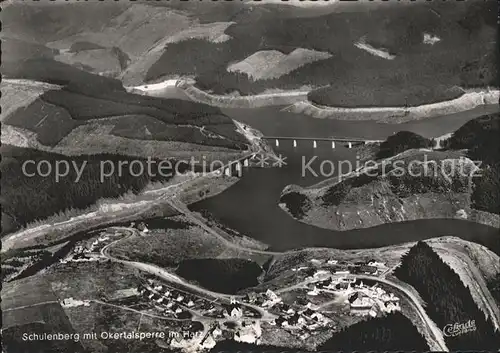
[430,325]
[181,208]
[31,305]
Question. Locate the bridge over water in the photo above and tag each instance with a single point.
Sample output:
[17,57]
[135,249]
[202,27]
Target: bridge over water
[236,167]
[348,141]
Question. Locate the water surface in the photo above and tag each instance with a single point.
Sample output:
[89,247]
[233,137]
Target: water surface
[251,207]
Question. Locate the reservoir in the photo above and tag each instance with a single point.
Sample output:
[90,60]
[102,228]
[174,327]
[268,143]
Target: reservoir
[272,121]
[251,205]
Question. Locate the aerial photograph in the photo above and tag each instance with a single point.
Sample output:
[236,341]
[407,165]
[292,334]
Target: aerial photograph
[208,176]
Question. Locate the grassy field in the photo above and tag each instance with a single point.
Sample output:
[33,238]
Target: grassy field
[270,64]
[169,247]
[174,239]
[30,306]
[99,281]
[96,279]
[16,95]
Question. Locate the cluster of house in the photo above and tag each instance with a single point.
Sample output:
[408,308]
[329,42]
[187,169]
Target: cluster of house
[248,332]
[71,302]
[370,267]
[192,342]
[331,283]
[362,299]
[336,277]
[372,301]
[242,331]
[90,252]
[232,319]
[302,322]
[178,304]
[263,299]
[169,301]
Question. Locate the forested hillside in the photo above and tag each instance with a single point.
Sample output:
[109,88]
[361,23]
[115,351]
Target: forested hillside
[78,118]
[419,73]
[27,197]
[150,41]
[393,332]
[448,300]
[481,139]
[401,141]
[86,98]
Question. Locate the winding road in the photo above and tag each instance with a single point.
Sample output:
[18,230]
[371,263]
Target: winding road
[170,277]
[438,343]
[434,332]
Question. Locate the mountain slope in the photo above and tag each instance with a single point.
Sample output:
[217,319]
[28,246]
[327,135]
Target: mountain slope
[57,114]
[84,102]
[414,184]
[146,42]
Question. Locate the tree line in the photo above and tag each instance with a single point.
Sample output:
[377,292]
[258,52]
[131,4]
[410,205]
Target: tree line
[29,198]
[448,300]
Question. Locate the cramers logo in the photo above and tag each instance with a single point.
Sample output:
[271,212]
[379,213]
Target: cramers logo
[457,329]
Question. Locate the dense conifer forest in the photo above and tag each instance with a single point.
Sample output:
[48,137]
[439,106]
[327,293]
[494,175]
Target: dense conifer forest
[393,332]
[448,300]
[402,141]
[481,138]
[28,198]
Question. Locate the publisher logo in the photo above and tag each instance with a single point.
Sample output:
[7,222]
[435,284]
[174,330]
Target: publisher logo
[457,329]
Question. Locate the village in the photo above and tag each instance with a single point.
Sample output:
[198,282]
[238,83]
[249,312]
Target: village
[328,289]
[304,317]
[320,293]
[91,250]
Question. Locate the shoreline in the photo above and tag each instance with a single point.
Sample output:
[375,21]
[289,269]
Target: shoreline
[319,215]
[150,203]
[255,101]
[298,103]
[187,87]
[147,203]
[400,114]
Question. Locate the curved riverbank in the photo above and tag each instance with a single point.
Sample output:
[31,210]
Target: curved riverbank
[372,196]
[467,101]
[300,104]
[226,101]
